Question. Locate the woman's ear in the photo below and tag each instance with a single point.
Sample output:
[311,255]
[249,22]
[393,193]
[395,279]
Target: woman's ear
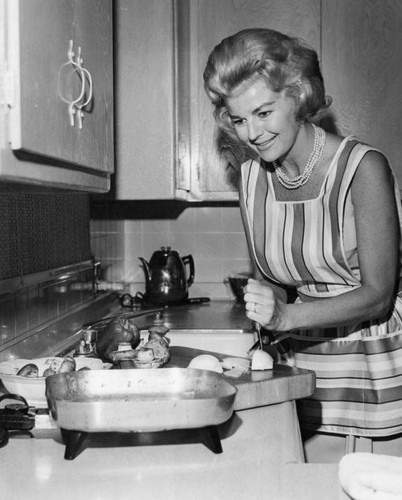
[305,94]
[305,91]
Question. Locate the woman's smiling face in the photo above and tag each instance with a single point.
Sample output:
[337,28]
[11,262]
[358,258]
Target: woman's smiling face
[264,120]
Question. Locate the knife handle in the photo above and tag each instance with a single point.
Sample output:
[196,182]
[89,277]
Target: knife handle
[198,300]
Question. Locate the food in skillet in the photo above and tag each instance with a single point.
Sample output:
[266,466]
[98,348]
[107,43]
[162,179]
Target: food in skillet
[120,330]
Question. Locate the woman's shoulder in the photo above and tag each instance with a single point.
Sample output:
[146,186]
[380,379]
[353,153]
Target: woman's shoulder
[358,151]
[371,169]
[335,141]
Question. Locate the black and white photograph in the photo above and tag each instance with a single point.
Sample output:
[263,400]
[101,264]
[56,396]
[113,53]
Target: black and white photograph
[201,249]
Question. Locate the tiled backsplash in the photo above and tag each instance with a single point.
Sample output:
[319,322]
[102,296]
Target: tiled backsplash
[41,230]
[45,260]
[212,234]
[52,232]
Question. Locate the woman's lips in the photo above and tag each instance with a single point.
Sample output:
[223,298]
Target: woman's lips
[261,146]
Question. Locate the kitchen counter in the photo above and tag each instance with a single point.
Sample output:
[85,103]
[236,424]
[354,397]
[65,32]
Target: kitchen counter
[217,314]
[259,445]
[258,461]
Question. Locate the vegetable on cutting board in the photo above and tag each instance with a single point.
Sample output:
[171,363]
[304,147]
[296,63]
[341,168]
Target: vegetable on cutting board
[232,366]
[261,360]
[206,362]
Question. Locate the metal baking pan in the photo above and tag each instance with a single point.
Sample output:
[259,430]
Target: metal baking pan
[145,400]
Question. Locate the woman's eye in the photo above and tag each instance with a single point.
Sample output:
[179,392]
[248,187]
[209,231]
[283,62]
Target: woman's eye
[237,122]
[264,114]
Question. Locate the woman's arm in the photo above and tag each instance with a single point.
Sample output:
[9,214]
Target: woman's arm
[377,231]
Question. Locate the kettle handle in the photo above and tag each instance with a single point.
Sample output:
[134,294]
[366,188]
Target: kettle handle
[188,259]
[146,269]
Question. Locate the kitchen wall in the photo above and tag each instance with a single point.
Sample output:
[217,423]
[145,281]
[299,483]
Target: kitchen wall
[212,233]
[41,230]
[45,258]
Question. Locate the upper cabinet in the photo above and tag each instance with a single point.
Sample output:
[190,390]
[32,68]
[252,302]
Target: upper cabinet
[361,62]
[144,100]
[208,161]
[167,143]
[57,107]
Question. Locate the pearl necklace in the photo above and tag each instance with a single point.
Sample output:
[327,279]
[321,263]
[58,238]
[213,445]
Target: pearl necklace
[300,180]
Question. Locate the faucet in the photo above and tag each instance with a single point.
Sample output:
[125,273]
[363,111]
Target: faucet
[90,330]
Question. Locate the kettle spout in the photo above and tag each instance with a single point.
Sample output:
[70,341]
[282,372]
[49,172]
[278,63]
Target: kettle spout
[146,269]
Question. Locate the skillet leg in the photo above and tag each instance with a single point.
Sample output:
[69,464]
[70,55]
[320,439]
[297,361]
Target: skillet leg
[212,439]
[73,441]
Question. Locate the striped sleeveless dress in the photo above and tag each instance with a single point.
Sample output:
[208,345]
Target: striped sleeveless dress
[312,245]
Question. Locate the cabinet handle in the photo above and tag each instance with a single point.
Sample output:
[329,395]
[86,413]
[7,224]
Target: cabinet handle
[76,105]
[79,107]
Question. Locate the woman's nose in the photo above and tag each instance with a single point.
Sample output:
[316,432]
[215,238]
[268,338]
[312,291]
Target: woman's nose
[254,132]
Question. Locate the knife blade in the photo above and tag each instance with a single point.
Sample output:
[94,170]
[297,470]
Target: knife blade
[258,327]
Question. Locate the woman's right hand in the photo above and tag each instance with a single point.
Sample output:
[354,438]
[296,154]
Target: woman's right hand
[263,306]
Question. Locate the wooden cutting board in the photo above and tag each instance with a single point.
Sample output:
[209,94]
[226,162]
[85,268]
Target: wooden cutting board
[256,388]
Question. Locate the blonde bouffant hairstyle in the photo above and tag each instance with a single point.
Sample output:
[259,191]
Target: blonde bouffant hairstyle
[286,64]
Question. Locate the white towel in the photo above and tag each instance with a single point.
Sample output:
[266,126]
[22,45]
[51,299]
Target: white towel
[366,476]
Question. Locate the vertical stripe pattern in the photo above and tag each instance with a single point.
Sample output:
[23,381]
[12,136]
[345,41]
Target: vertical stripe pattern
[358,367]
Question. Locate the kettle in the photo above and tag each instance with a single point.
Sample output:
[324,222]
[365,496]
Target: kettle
[166,279]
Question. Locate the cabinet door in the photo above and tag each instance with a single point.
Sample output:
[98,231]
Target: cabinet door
[59,51]
[212,162]
[362,53]
[145,113]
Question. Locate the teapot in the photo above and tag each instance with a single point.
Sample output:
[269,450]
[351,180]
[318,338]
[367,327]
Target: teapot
[166,278]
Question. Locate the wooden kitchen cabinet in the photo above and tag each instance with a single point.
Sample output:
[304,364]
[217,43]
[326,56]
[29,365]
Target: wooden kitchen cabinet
[208,166]
[57,107]
[360,49]
[361,55]
[167,144]
[144,100]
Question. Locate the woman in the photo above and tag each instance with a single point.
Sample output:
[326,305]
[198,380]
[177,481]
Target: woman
[321,213]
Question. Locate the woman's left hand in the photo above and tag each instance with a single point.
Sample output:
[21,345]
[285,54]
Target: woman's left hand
[263,306]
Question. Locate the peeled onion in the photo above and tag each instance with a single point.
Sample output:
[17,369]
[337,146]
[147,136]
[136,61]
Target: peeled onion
[206,362]
[261,360]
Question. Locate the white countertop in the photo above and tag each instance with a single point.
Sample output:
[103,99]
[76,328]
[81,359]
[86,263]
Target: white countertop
[258,446]
[261,459]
